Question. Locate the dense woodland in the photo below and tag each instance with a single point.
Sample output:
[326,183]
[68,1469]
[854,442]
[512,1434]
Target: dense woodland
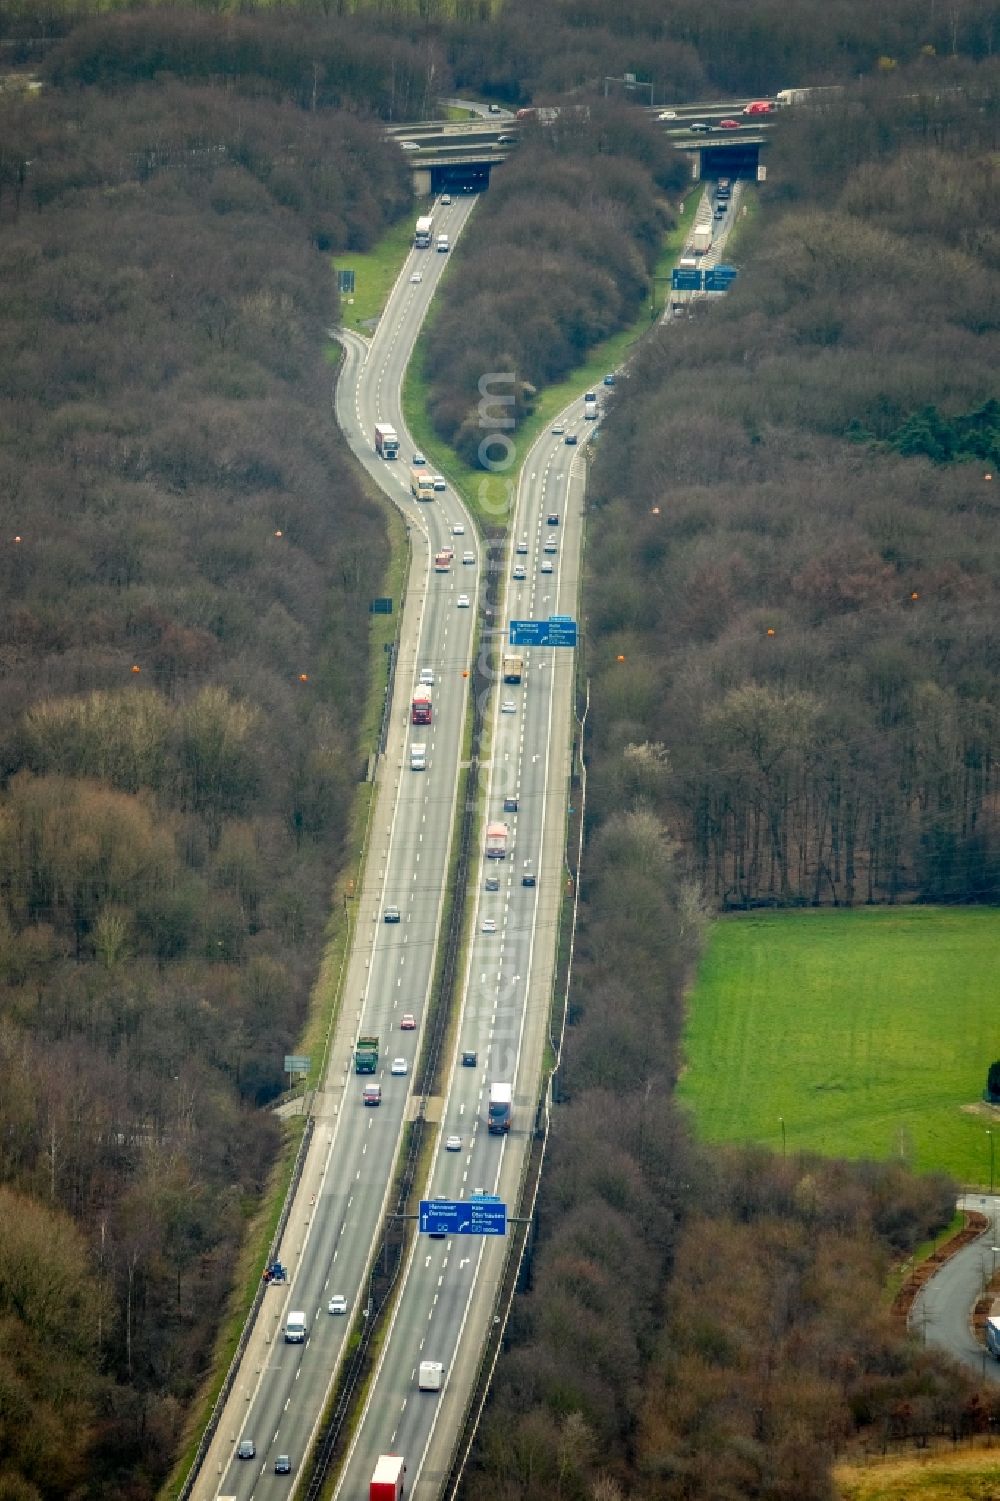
[182,538]
[807,614]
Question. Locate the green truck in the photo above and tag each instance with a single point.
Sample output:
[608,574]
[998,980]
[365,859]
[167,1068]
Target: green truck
[366,1055]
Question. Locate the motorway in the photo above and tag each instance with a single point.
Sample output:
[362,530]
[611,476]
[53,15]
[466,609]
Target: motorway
[451,1284]
[281,1389]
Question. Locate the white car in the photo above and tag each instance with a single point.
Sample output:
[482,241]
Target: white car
[558,428]
[427,677]
[468,557]
[546,566]
[440,483]
[508,706]
[445,200]
[667,114]
[337,1304]
[453,1144]
[552,545]
[458,530]
[418,457]
[489,924]
[463,601]
[398,1066]
[416,276]
[408,146]
[520,573]
[522,547]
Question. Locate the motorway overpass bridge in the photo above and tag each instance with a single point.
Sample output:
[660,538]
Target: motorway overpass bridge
[458,156]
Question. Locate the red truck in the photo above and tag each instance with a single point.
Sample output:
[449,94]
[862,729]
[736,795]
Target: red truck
[496,841]
[421,707]
[387,1481]
[442,560]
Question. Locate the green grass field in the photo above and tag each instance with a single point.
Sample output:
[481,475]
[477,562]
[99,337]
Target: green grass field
[866,1032]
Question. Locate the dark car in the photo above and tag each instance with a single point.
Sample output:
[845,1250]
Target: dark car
[247,1449]
[510,805]
[282,1465]
[528,879]
[570,438]
[552,519]
[699,128]
[470,1058]
[609,380]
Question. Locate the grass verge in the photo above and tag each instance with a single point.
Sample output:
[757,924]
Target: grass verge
[967,1475]
[375,273]
[860,1034]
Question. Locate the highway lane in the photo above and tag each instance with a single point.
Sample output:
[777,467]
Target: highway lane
[444,1310]
[279,1396]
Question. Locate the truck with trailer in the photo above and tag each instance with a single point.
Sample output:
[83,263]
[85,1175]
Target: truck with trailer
[430,1375]
[295,1328]
[496,841]
[501,1109]
[423,232]
[422,706]
[701,238]
[418,756]
[785,97]
[386,441]
[387,1481]
[422,484]
[366,1054]
[513,667]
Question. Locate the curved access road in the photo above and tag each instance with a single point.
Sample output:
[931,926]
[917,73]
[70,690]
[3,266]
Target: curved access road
[942,1310]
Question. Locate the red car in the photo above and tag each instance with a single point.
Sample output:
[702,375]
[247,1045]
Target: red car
[408,1022]
[729,125]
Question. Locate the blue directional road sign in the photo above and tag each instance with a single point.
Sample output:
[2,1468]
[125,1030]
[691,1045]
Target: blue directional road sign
[558,630]
[688,280]
[720,278]
[476,1216]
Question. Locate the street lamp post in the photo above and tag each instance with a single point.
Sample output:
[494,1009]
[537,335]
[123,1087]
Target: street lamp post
[781,1123]
[991,1158]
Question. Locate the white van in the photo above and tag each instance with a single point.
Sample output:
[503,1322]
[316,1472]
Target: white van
[418,757]
[295,1328]
[430,1375]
